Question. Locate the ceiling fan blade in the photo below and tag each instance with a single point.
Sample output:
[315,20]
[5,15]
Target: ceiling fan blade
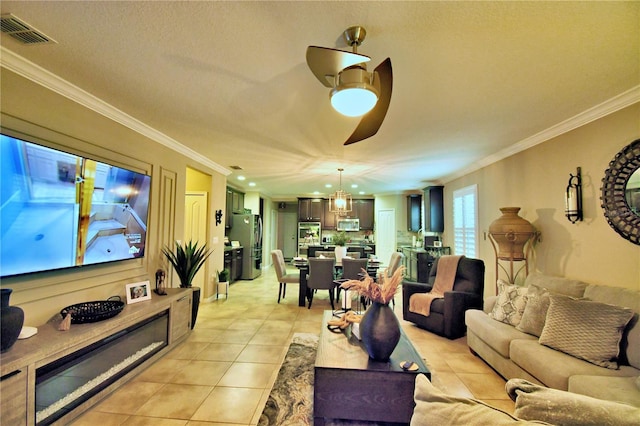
[324,62]
[372,120]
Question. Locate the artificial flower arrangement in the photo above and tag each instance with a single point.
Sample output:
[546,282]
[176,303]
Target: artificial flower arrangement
[381,291]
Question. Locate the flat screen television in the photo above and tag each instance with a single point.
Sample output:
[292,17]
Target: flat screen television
[60,210]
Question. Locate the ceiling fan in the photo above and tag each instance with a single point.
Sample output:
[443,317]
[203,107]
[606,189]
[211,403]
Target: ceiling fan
[354,91]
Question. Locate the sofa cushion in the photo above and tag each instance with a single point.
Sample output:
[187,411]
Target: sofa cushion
[556,285]
[630,345]
[534,402]
[434,407]
[510,304]
[535,311]
[620,389]
[585,329]
[553,368]
[496,334]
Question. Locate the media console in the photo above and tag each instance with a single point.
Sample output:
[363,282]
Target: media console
[55,375]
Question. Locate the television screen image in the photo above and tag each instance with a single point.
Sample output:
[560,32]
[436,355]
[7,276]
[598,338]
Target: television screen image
[60,210]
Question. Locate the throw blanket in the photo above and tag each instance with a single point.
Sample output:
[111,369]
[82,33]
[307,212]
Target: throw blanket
[446,275]
[535,402]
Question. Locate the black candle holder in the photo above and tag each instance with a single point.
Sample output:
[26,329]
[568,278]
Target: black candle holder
[573,197]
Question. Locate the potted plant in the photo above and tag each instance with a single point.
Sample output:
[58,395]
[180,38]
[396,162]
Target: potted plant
[223,282]
[187,259]
[340,240]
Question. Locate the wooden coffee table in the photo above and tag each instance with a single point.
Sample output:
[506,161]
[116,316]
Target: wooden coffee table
[349,385]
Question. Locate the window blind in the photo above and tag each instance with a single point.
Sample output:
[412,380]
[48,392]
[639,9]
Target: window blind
[465,221]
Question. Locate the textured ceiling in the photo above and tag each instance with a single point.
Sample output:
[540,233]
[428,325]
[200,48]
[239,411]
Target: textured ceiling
[472,80]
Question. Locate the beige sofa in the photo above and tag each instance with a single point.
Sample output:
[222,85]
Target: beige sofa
[516,354]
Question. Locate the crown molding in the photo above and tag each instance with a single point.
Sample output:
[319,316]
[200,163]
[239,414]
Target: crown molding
[27,69]
[607,107]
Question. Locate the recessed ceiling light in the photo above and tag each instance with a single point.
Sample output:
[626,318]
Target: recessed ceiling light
[328,185]
[316,192]
[252,184]
[354,185]
[361,192]
[241,177]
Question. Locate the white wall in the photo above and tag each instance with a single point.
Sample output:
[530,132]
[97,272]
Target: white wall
[535,180]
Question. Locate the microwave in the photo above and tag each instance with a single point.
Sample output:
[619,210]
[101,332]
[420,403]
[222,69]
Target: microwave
[348,224]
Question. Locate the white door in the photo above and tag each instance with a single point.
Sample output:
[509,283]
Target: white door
[385,235]
[289,228]
[195,227]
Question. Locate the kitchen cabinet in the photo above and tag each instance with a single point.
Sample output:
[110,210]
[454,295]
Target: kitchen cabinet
[237,202]
[434,208]
[414,212]
[365,211]
[233,263]
[310,209]
[329,221]
[236,264]
[234,204]
[227,261]
[418,262]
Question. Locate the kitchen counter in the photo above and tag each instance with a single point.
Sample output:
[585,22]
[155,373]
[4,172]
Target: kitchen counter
[418,260]
[367,249]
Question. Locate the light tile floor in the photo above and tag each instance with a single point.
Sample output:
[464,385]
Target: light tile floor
[223,373]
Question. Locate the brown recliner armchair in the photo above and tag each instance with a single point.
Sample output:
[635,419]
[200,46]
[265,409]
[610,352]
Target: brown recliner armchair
[447,315]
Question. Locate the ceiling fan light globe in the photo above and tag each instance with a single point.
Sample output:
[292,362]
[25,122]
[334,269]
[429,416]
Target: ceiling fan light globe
[354,99]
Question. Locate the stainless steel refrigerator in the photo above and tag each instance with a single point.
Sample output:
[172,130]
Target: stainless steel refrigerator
[247,229]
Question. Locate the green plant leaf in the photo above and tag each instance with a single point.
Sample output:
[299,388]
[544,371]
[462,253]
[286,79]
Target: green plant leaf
[187,260]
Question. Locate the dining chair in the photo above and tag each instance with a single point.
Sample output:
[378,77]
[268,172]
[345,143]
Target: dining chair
[352,250]
[331,254]
[351,270]
[320,277]
[394,263]
[281,272]
[354,255]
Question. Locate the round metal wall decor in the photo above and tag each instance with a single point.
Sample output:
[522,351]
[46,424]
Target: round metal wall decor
[616,207]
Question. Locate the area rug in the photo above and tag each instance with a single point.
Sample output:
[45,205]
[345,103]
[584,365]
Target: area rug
[290,402]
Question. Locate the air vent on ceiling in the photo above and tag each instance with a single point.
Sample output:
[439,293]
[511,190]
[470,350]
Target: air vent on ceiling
[22,31]
[235,167]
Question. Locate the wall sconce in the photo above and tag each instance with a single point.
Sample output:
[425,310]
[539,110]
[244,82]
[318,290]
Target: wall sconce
[218,217]
[573,198]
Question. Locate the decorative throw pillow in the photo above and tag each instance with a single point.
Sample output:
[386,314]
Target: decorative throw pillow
[585,329]
[534,402]
[535,311]
[434,407]
[510,304]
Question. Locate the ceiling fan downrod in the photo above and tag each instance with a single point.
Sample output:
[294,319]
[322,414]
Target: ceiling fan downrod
[354,36]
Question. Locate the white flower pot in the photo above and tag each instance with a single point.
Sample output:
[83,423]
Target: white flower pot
[341,251]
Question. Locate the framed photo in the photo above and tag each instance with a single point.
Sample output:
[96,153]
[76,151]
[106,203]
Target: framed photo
[138,292]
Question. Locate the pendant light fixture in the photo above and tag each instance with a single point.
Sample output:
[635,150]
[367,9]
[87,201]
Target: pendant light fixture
[340,202]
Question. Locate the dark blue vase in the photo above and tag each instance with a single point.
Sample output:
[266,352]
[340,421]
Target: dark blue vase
[379,331]
[11,320]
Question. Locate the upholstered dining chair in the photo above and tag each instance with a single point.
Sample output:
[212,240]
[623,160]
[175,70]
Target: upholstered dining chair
[320,277]
[353,254]
[351,270]
[281,271]
[394,263]
[325,254]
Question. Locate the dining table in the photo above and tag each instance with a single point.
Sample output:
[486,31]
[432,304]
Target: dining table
[303,265]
